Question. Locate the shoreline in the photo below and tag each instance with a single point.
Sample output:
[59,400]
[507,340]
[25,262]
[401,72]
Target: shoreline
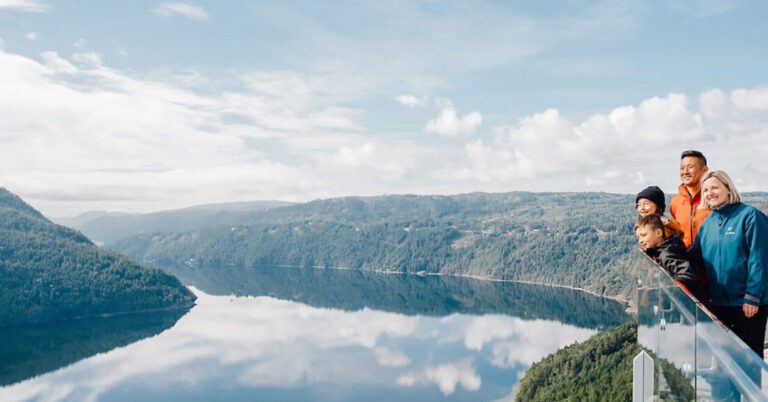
[468,276]
[103,315]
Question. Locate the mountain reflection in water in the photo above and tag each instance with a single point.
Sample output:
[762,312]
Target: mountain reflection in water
[328,347]
[409,294]
[30,350]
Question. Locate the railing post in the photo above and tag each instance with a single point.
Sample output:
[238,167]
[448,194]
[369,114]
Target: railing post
[642,378]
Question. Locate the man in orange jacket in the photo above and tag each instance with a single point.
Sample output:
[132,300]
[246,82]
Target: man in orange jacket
[684,207]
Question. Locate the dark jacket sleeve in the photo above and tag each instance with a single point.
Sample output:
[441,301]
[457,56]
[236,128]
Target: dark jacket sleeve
[676,262]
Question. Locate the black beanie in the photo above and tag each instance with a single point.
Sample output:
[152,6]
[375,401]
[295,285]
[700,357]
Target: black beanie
[654,194]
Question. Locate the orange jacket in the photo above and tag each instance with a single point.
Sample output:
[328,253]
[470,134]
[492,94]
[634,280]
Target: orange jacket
[671,228]
[685,211]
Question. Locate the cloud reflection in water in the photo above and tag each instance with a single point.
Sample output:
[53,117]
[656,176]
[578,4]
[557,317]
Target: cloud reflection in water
[237,345]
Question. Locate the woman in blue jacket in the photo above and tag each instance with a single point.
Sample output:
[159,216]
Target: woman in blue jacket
[732,245]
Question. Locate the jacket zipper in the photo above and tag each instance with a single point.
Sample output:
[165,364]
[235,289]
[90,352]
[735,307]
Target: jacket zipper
[693,213]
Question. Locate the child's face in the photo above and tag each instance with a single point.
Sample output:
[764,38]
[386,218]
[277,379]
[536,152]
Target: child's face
[646,207]
[649,238]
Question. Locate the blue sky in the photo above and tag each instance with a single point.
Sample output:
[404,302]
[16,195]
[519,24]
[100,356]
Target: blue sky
[151,105]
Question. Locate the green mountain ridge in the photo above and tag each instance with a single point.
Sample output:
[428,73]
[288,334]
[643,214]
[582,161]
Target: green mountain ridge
[599,369]
[581,240]
[51,273]
[554,238]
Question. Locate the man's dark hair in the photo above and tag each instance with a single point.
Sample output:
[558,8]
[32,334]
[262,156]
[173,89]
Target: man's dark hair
[653,222]
[695,154]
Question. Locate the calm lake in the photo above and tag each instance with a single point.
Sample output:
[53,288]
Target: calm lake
[296,334]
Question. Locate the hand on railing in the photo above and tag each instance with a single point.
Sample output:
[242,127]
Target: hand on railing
[749,310]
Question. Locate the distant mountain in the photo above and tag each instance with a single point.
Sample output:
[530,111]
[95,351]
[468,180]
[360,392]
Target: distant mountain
[49,272]
[84,218]
[109,227]
[582,240]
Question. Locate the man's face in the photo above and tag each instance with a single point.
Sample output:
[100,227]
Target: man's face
[715,192]
[648,238]
[691,170]
[646,207]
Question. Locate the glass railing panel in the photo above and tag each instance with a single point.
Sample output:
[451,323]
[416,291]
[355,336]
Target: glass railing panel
[695,356]
[648,307]
[727,369]
[676,353]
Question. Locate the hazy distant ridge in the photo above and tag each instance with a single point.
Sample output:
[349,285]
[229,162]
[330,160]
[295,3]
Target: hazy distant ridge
[108,227]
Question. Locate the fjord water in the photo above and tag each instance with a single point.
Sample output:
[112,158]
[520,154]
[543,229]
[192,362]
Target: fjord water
[296,334]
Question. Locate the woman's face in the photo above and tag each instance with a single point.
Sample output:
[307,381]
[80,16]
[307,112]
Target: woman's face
[715,192]
[646,207]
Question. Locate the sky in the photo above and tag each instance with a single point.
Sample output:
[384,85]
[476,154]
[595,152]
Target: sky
[148,105]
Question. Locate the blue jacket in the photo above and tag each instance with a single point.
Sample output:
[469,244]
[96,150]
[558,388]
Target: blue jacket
[732,246]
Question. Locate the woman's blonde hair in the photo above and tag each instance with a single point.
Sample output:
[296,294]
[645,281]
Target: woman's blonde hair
[733,195]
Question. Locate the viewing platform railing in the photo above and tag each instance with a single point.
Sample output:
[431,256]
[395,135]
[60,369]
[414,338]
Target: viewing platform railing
[691,354]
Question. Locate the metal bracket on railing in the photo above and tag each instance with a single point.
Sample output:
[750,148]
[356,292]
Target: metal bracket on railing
[712,366]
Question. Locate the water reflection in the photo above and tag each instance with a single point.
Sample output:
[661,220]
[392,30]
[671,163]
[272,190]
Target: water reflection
[249,348]
[301,335]
[412,294]
[30,350]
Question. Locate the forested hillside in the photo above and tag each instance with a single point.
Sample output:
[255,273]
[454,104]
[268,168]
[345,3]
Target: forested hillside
[599,369]
[49,272]
[583,240]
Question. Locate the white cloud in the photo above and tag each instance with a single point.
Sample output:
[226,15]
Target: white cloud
[127,142]
[750,100]
[391,358]
[624,149]
[172,9]
[447,377]
[449,123]
[57,64]
[547,144]
[80,43]
[118,141]
[23,5]
[32,35]
[713,104]
[355,157]
[411,100]
[392,163]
